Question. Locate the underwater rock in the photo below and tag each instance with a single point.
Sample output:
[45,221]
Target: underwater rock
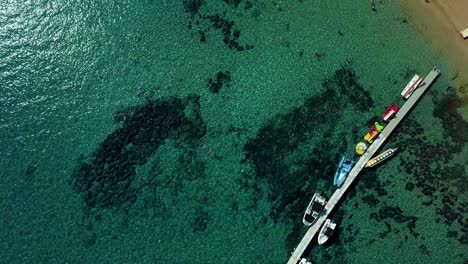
[370,200]
[192,6]
[452,234]
[449,214]
[202,36]
[409,186]
[29,172]
[233,3]
[105,176]
[221,79]
[200,221]
[424,250]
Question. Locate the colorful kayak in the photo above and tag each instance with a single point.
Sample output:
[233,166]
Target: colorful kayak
[411,86]
[390,112]
[381,157]
[344,167]
[373,132]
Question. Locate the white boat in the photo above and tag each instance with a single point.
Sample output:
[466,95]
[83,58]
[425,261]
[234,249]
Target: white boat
[411,86]
[314,209]
[305,261]
[326,232]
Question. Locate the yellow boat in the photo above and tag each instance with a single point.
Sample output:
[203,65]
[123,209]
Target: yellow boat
[381,157]
[361,147]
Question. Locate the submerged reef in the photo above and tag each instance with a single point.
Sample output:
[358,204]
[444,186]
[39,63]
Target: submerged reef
[393,212]
[431,170]
[452,121]
[292,152]
[346,83]
[436,175]
[104,178]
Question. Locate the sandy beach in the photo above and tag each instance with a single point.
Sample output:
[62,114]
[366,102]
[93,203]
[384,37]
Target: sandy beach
[440,22]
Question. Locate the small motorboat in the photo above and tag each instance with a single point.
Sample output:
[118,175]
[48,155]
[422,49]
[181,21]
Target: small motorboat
[326,232]
[373,132]
[411,86]
[344,167]
[314,209]
[305,261]
[390,112]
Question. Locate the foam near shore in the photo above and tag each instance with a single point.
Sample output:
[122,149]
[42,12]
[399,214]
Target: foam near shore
[440,22]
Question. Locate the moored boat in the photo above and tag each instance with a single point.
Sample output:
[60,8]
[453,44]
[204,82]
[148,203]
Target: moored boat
[381,157]
[326,232]
[373,132]
[344,167]
[305,261]
[390,112]
[361,147]
[411,86]
[314,209]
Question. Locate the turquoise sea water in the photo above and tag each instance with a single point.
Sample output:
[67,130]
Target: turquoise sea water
[196,131]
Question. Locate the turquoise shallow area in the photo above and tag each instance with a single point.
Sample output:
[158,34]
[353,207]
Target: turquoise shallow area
[196,131]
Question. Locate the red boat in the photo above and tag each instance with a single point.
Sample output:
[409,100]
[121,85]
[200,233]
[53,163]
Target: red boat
[390,112]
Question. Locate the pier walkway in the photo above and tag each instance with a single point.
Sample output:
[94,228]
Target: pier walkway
[315,228]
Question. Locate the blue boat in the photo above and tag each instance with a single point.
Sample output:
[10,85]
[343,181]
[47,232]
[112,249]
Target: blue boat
[344,167]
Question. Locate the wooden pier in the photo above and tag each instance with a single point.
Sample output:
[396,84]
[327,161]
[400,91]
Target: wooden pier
[315,228]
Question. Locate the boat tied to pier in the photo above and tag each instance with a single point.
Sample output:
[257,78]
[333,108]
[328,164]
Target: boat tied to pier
[390,112]
[314,209]
[381,157]
[373,132]
[305,261]
[411,86]
[361,147]
[326,232]
[344,167]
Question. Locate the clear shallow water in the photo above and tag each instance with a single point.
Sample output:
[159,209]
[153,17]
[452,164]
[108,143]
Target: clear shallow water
[67,68]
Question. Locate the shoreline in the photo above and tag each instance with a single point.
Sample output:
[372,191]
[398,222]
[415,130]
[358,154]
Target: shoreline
[440,22]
